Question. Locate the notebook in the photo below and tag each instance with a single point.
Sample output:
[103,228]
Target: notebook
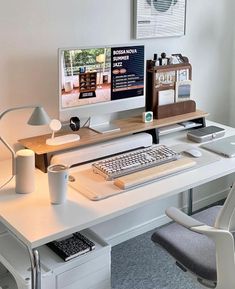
[72,246]
[224,147]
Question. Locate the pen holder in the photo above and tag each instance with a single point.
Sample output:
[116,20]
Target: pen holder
[25,171]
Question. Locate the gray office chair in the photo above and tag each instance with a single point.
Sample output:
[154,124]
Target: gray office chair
[203,244]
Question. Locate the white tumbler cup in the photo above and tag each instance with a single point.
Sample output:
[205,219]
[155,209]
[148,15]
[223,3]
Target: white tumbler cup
[58,182]
[25,171]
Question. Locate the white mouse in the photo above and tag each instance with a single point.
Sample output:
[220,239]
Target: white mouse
[193,152]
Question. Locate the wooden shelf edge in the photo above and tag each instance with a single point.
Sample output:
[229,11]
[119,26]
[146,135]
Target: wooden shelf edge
[182,117]
[88,137]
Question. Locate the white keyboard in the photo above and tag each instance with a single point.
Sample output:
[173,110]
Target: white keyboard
[134,161]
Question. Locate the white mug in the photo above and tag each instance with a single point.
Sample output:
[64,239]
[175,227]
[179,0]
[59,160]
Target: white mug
[58,183]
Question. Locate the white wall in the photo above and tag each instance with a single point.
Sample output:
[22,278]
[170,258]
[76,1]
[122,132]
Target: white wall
[31,31]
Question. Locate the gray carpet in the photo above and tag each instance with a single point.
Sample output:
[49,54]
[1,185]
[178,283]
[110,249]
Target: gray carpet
[139,264]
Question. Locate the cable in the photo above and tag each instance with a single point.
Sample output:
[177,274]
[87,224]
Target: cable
[7,182]
[88,120]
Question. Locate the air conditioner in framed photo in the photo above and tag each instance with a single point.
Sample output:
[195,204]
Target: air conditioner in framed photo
[182,90]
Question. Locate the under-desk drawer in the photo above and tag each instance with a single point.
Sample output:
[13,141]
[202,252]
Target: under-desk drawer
[86,276]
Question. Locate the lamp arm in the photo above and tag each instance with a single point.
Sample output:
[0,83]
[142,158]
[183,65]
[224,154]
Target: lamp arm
[12,154]
[38,117]
[4,142]
[16,108]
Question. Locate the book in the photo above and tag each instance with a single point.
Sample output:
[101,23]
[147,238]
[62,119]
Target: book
[72,246]
[85,240]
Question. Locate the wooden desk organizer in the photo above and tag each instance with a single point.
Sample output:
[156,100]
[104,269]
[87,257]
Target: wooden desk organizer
[174,109]
[154,85]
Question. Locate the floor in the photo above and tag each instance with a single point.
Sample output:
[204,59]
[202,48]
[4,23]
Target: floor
[139,264]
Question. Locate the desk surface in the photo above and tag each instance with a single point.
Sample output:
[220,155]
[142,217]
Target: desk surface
[35,221]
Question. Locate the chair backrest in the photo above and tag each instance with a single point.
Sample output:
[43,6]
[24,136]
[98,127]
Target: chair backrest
[226,218]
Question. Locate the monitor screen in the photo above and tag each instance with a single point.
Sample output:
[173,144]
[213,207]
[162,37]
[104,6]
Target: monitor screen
[107,79]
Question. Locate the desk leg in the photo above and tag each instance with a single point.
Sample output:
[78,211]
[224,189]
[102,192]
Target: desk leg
[190,202]
[35,264]
[35,269]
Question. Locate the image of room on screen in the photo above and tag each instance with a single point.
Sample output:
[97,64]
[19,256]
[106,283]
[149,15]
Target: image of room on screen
[85,76]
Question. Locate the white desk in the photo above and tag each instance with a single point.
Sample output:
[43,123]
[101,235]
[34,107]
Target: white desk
[35,221]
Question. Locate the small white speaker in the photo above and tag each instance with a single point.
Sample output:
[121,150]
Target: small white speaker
[147,116]
[25,171]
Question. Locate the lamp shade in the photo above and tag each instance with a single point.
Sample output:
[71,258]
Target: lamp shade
[39,117]
[100,58]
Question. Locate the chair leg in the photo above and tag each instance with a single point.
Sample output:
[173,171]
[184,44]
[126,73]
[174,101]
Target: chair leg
[208,284]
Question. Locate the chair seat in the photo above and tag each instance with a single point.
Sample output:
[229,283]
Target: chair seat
[194,251]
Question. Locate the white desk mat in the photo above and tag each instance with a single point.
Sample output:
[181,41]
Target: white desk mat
[205,159]
[96,188]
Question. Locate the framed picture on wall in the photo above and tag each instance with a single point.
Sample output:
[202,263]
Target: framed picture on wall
[159,18]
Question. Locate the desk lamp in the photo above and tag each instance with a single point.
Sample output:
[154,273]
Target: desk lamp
[38,117]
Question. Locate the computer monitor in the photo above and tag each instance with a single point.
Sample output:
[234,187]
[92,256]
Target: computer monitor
[95,82]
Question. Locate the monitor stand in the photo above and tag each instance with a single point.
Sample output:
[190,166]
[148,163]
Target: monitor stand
[105,128]
[102,124]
